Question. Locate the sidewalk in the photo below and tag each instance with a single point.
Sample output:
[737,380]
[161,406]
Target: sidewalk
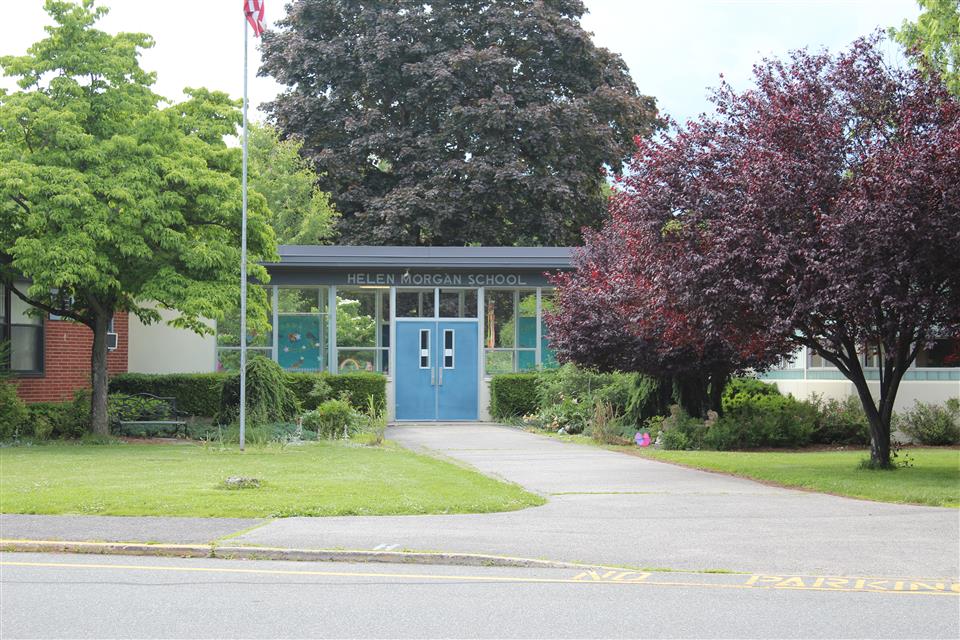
[604,508]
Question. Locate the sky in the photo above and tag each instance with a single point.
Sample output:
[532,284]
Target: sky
[675,49]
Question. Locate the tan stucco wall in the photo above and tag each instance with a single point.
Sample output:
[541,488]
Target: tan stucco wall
[484,400]
[910,390]
[160,348]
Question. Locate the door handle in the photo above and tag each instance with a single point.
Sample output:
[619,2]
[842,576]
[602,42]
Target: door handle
[440,367]
[433,374]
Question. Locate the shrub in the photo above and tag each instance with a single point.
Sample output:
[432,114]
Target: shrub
[13,413]
[680,430]
[763,420]
[931,424]
[122,407]
[513,395]
[569,415]
[332,419]
[268,397]
[55,420]
[570,381]
[649,397]
[749,387]
[617,392]
[321,391]
[197,394]
[77,423]
[841,422]
[359,385]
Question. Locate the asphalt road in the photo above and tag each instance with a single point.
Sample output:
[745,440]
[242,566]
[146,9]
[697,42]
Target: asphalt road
[60,596]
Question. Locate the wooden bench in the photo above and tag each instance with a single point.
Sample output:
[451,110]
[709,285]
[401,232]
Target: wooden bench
[163,414]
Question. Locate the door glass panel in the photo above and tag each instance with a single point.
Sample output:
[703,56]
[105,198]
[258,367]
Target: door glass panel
[448,349]
[424,348]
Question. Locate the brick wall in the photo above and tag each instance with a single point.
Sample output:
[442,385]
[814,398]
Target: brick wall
[66,360]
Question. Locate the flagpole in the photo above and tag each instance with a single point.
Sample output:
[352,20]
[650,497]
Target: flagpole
[243,257]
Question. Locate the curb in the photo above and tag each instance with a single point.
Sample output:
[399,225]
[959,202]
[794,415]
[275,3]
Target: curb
[278,553]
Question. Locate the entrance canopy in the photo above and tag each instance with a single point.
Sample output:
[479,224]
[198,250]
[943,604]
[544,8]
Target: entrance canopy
[418,266]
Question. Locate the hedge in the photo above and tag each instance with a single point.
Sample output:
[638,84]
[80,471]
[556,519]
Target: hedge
[513,395]
[359,384]
[197,394]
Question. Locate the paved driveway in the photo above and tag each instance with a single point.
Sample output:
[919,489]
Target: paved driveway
[607,507]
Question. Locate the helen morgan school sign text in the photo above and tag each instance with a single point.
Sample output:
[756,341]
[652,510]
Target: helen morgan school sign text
[439,279]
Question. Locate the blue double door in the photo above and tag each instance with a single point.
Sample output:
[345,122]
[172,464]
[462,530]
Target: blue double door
[436,370]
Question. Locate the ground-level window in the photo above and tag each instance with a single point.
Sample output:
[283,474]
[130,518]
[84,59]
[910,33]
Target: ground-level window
[363,329]
[816,361]
[302,328]
[510,331]
[22,329]
[548,357]
[942,353]
[259,337]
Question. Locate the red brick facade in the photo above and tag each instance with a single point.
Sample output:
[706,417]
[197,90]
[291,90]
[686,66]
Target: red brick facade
[66,360]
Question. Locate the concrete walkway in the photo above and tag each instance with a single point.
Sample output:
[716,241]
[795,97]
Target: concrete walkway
[604,507]
[611,508]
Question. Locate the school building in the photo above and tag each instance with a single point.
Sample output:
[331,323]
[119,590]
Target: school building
[437,321]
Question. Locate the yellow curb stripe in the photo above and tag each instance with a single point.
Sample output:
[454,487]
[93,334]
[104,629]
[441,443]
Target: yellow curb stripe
[456,578]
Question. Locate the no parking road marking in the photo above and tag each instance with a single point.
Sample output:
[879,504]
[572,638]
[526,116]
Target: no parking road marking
[899,586]
[784,582]
[825,583]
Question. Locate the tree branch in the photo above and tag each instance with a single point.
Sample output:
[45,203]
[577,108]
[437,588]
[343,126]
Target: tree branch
[20,200]
[67,313]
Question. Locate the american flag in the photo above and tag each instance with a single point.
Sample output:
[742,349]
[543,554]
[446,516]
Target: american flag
[253,9]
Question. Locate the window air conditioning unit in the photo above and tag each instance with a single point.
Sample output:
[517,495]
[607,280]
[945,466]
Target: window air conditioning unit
[111,341]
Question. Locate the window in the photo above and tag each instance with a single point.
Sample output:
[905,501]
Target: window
[943,353]
[511,330]
[259,338]
[816,361]
[363,329]
[302,328]
[415,303]
[24,330]
[458,303]
[870,357]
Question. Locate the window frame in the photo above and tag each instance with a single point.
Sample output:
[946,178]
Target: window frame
[6,333]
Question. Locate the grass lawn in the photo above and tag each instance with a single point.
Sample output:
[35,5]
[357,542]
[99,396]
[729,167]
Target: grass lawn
[314,479]
[934,478]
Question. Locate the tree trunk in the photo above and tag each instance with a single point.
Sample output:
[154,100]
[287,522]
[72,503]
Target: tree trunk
[718,381]
[691,393]
[879,429]
[98,369]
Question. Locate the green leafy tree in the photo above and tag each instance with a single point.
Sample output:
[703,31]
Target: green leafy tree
[299,212]
[935,39]
[112,201]
[448,122]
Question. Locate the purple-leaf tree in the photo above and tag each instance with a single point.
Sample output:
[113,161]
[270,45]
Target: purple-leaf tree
[819,208]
